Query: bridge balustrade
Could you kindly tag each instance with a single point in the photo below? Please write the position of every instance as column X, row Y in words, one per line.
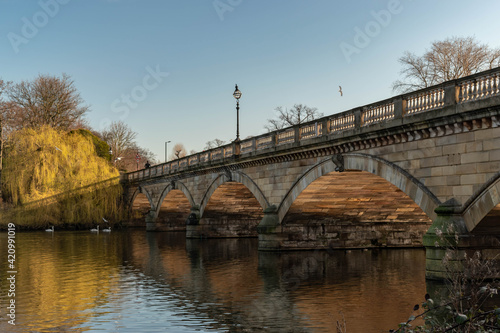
column 204, row 157
column 247, row 146
column 472, row 88
column 228, row 151
column 193, row 160
column 287, row 136
column 478, row 88
column 311, row 131
column 264, row 142
column 378, row 113
column 216, row 154
column 425, row 101
column 174, row 166
column 342, row 122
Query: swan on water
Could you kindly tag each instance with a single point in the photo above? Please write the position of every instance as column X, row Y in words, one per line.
column 95, row 229
column 107, row 229
column 50, row 230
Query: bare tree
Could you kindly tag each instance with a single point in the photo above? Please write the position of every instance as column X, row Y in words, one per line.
column 295, row 116
column 128, row 159
column 119, row 137
column 47, row 100
column 446, row 60
column 179, row 150
column 214, row 144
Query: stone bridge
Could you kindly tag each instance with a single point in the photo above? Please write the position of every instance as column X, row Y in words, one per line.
column 388, row 174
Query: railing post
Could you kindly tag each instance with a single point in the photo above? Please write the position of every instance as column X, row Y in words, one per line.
column 399, row 107
column 357, row 119
column 273, row 139
column 325, row 129
column 451, row 94
column 296, row 134
column 236, row 148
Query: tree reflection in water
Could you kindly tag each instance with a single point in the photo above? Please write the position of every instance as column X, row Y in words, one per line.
column 133, row 280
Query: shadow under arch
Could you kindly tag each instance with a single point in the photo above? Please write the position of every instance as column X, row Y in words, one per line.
column 178, row 186
column 481, row 203
column 389, row 171
column 236, row 177
column 143, row 191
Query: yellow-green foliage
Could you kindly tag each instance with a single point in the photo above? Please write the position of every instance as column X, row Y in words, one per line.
column 40, row 163
column 58, row 179
column 79, row 208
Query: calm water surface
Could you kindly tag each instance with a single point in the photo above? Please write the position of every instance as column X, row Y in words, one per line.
column 133, row 281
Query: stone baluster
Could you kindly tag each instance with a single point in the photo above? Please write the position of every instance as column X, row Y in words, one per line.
column 465, row 94
column 489, row 83
column 476, row 91
column 484, row 88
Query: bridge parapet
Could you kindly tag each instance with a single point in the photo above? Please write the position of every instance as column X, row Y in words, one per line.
column 388, row 113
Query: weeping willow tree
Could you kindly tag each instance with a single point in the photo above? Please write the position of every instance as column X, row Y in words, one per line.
column 52, row 177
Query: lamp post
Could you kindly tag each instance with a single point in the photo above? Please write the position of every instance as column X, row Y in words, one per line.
column 166, row 145
column 237, row 95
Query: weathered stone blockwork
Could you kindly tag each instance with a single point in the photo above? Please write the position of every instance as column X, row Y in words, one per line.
column 345, row 235
column 411, row 153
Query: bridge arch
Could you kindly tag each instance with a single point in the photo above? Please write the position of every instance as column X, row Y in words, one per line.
column 175, row 186
column 142, row 190
column 239, row 177
column 394, row 174
column 479, row 205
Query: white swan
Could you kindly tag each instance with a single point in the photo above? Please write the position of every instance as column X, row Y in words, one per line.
column 94, row 229
column 50, row 230
column 107, row 229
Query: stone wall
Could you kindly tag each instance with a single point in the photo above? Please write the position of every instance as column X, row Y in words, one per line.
column 346, row 235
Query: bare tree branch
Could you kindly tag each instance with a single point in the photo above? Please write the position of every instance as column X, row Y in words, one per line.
column 47, row 100
column 214, row 144
column 120, row 138
column 179, row 150
column 295, row 116
column 446, row 60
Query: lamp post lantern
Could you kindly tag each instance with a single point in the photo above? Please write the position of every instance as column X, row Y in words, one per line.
column 166, row 145
column 237, row 95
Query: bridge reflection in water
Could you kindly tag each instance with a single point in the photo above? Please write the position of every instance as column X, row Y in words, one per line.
column 136, row 281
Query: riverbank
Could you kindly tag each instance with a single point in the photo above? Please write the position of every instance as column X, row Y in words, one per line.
column 74, row 210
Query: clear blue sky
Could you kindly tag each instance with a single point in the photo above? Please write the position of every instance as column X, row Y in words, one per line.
column 279, row 52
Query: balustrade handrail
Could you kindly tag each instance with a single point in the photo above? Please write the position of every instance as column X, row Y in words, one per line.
column 470, row 88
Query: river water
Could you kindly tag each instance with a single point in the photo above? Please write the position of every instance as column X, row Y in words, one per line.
column 134, row 281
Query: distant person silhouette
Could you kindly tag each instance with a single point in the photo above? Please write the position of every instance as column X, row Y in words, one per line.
column 147, row 165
